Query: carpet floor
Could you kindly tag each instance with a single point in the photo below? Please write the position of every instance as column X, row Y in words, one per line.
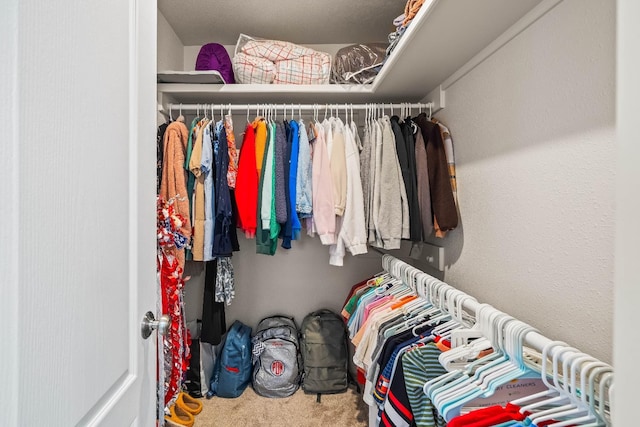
column 300, row 410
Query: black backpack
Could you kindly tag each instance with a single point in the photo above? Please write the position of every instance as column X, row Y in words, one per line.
column 324, row 353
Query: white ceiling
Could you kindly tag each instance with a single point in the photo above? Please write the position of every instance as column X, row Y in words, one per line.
column 197, row 22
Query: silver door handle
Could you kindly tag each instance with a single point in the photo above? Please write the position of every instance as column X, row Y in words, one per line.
column 149, row 323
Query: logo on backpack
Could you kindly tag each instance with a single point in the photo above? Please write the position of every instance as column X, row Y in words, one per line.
column 277, row 368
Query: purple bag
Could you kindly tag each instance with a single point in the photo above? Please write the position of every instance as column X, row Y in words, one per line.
column 213, row 56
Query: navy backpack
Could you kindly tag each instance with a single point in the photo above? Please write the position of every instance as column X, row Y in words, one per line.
column 233, row 368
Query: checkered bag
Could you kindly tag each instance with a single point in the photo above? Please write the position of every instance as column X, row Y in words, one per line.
column 279, row 62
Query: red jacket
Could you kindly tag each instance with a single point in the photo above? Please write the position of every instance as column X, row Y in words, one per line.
column 247, row 184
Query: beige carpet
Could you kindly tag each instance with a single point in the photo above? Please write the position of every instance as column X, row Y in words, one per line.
column 300, row 410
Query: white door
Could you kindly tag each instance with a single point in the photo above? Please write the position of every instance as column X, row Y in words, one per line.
column 77, row 204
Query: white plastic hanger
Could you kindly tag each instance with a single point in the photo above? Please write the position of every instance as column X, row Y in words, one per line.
column 575, row 407
column 465, row 384
column 180, row 117
column 514, row 332
column 490, row 320
column 594, row 368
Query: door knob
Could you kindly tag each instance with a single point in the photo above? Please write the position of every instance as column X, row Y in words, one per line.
column 149, row 323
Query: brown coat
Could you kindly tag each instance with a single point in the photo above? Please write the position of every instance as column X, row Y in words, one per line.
column 174, row 177
column 443, row 204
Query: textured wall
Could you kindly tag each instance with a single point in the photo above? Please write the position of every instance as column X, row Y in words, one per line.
column 533, row 128
column 170, row 57
column 294, row 282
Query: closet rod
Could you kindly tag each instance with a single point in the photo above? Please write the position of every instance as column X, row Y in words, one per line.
column 534, row 339
column 294, row 106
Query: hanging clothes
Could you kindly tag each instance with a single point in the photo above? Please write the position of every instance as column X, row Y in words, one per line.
column 304, row 204
column 415, row 224
column 191, row 179
column 337, row 163
column 221, row 238
column 375, row 168
column 247, row 183
column 171, row 282
column 195, row 163
column 173, row 186
column 448, row 148
column 209, row 192
column 423, row 187
column 443, row 204
column 323, row 205
column 352, row 235
column 293, row 179
column 160, row 153
column 280, row 154
column 232, row 169
column 393, row 211
column 264, row 243
column 213, row 315
column 365, row 176
column 225, row 282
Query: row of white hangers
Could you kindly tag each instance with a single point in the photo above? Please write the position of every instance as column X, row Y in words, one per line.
column 579, row 386
column 271, row 111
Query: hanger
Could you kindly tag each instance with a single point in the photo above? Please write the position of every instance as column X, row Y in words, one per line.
column 582, row 412
column 493, row 327
column 170, row 112
column 180, row 117
column 514, row 333
column 485, row 317
column 430, row 106
column 569, row 401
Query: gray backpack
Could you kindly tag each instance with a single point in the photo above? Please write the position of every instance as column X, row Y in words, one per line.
column 324, row 353
column 276, row 357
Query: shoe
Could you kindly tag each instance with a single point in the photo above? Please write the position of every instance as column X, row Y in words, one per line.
column 169, row 423
column 179, row 416
column 188, row 403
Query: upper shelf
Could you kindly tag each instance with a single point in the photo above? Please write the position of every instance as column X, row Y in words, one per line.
column 443, row 36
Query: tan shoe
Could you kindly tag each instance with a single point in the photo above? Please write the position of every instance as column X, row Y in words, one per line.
column 189, row 403
column 179, row 416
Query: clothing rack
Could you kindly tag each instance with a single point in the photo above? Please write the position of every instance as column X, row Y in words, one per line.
column 412, row 276
column 427, row 107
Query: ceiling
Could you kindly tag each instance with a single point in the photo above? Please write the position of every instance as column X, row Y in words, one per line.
column 197, row 22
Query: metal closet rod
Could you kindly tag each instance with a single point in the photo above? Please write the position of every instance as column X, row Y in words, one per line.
column 294, row 106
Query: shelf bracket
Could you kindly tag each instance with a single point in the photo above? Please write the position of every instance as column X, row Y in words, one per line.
column 437, row 96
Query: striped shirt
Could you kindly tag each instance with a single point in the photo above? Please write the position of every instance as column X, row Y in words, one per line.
column 419, row 366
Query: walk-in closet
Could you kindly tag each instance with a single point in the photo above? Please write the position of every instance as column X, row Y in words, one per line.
column 368, row 213
column 526, row 90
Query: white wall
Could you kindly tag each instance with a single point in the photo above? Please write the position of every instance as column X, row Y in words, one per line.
column 533, row 128
column 294, row 282
column 9, row 194
column 169, row 47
